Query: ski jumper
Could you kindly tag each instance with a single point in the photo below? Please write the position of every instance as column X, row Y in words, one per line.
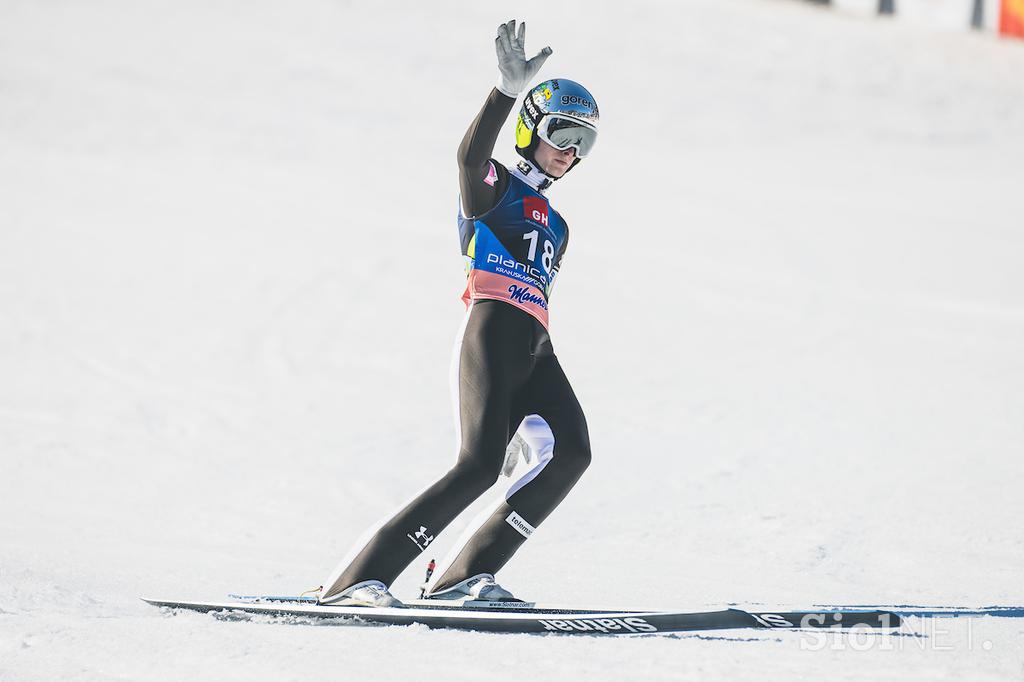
column 505, row 377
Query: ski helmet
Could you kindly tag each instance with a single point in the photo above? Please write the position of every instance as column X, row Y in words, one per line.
column 561, row 112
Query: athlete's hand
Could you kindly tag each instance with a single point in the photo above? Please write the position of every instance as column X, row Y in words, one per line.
column 517, row 447
column 516, row 71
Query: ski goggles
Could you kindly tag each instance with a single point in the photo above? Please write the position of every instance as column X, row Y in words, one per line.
column 562, row 132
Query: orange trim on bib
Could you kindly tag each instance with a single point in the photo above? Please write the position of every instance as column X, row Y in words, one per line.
column 495, row 287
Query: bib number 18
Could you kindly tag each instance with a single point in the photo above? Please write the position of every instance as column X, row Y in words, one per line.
column 547, row 260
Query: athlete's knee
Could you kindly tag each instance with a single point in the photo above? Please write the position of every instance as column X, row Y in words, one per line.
column 573, row 459
column 581, row 458
column 582, row 454
column 474, row 474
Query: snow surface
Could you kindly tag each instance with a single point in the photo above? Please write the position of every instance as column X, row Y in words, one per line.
column 793, row 311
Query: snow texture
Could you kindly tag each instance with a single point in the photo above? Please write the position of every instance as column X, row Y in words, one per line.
column 793, row 310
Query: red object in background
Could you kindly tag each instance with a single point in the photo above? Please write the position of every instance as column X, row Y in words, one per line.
column 1011, row 18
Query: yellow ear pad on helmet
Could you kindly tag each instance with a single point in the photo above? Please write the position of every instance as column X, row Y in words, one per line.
column 524, row 135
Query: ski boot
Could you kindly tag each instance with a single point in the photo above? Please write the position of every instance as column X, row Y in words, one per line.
column 480, row 587
column 367, row 593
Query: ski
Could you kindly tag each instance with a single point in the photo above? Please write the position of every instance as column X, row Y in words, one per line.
column 545, row 621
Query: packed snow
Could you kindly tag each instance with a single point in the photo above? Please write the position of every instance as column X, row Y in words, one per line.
column 793, row 311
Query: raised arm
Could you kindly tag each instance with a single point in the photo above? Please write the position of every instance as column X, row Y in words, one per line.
column 482, row 180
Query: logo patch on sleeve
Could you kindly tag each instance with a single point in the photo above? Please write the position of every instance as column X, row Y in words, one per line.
column 492, row 174
column 536, row 209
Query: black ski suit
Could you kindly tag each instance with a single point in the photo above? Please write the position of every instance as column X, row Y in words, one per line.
column 504, row 369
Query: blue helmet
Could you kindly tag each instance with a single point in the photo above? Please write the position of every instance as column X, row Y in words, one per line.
column 561, row 112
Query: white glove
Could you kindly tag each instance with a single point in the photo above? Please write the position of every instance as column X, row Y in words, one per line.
column 515, row 448
column 516, row 72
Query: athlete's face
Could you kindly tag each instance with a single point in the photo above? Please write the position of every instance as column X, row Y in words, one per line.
column 553, row 161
